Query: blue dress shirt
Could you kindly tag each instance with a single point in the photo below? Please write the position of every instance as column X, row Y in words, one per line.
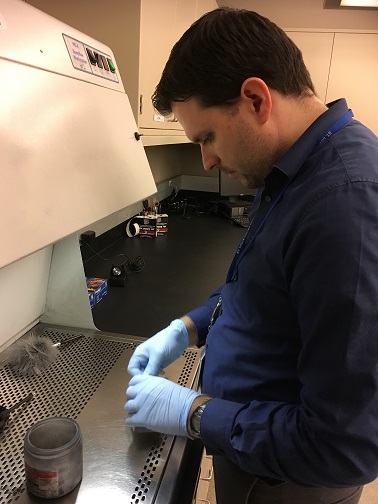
column 292, row 360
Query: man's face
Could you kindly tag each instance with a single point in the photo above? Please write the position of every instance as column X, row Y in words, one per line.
column 230, row 139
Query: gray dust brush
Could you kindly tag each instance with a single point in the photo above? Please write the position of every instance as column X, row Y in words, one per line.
column 31, row 355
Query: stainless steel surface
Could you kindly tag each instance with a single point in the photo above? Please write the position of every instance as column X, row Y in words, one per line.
column 88, row 383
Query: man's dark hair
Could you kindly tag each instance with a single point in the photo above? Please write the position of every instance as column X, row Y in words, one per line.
column 220, row 51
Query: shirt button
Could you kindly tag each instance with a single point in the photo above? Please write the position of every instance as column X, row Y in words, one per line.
column 267, row 198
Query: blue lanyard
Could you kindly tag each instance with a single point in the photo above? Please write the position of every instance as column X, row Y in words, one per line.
column 238, row 256
column 339, row 124
column 242, row 251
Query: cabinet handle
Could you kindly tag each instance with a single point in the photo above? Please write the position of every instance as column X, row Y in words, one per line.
column 140, row 104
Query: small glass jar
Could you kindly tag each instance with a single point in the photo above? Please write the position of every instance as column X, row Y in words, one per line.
column 53, row 453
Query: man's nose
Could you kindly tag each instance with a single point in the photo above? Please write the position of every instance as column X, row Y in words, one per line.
column 209, row 158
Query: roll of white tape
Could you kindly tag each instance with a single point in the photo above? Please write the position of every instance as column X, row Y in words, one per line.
column 132, row 229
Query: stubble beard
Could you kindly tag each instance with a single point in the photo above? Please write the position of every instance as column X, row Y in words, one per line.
column 251, row 174
column 256, row 158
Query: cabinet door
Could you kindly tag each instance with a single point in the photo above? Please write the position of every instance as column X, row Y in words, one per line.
column 162, row 24
column 204, row 6
column 186, row 13
column 156, row 38
column 316, row 48
column 354, row 75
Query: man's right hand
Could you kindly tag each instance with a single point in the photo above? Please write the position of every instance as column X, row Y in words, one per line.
column 153, row 355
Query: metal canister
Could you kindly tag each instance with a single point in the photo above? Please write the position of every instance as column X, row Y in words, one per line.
column 53, row 453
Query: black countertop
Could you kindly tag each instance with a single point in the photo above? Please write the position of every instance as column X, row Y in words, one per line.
column 180, row 270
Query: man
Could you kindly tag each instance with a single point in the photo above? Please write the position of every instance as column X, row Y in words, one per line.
column 289, row 403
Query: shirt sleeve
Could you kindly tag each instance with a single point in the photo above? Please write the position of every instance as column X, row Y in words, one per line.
column 201, row 316
column 330, row 438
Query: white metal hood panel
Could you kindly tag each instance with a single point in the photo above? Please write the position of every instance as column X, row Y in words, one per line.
column 34, row 38
column 69, row 156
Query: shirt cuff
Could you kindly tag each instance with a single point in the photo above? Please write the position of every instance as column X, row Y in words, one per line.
column 216, row 426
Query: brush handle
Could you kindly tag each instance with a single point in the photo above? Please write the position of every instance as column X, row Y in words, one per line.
column 5, row 412
column 68, row 340
column 26, row 399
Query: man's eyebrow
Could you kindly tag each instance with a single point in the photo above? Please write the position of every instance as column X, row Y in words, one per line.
column 200, row 136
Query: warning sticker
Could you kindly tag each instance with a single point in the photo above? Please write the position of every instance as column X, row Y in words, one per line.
column 90, row 60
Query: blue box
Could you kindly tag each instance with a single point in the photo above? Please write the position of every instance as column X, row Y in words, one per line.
column 97, row 289
column 91, row 298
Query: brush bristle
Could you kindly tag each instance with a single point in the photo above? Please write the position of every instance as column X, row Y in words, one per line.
column 31, row 355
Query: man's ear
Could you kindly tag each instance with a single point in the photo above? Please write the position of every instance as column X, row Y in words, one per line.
column 256, row 95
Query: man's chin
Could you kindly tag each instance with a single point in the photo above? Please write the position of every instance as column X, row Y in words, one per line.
column 251, row 184
column 233, row 175
column 246, row 182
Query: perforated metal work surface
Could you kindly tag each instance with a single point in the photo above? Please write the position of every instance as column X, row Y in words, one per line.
column 88, row 382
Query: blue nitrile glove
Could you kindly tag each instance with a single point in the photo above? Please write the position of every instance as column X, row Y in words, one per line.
column 153, row 355
column 158, row 404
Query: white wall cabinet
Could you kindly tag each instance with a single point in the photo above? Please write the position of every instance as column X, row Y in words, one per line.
column 316, row 48
column 354, row 75
column 162, row 24
column 157, row 37
column 343, row 65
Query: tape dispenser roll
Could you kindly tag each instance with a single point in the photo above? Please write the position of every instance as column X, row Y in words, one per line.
column 132, row 229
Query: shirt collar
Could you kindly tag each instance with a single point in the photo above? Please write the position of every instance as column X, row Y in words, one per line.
column 293, row 159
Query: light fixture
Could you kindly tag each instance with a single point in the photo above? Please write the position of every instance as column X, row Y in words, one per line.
column 350, row 4
column 359, row 3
